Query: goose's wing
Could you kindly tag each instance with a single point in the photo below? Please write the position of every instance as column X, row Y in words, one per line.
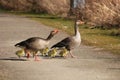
column 33, row 39
column 64, row 43
column 28, row 42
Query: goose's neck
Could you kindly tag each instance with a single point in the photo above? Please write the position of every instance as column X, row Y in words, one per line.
column 49, row 37
column 77, row 36
column 76, row 30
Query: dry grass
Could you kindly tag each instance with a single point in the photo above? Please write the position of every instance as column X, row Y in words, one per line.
column 102, row 12
column 59, row 7
column 55, row 6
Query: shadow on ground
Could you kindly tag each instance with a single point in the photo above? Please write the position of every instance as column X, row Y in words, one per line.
column 12, row 59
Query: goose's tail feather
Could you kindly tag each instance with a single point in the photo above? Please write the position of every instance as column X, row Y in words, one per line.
column 21, row 44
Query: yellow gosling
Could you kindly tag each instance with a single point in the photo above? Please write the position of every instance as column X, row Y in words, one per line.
column 44, row 51
column 63, row 52
column 20, row 53
column 52, row 53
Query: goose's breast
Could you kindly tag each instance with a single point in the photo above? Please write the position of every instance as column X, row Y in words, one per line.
column 77, row 41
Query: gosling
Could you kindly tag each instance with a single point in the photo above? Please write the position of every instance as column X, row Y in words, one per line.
column 63, row 52
column 45, row 51
column 20, row 53
column 52, row 53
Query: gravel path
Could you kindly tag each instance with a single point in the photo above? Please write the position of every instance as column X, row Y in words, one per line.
column 93, row 63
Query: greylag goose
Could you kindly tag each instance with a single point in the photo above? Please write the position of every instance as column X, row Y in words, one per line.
column 71, row 42
column 34, row 44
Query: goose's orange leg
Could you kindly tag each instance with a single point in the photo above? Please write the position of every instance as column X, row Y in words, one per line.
column 27, row 53
column 73, row 56
column 36, row 57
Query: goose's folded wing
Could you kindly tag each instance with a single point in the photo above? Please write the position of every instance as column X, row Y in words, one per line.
column 65, row 42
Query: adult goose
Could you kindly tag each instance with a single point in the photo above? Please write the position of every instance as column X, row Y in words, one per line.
column 34, row 44
column 71, row 42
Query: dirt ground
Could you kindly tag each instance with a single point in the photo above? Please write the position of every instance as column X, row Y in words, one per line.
column 93, row 63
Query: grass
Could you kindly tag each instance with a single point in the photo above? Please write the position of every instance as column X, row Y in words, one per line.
column 92, row 37
column 102, row 39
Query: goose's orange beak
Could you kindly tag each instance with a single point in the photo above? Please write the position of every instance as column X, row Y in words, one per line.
column 80, row 22
column 56, row 30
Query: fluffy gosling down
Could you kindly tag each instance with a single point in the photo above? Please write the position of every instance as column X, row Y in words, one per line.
column 52, row 53
column 63, row 52
column 45, row 51
column 20, row 53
